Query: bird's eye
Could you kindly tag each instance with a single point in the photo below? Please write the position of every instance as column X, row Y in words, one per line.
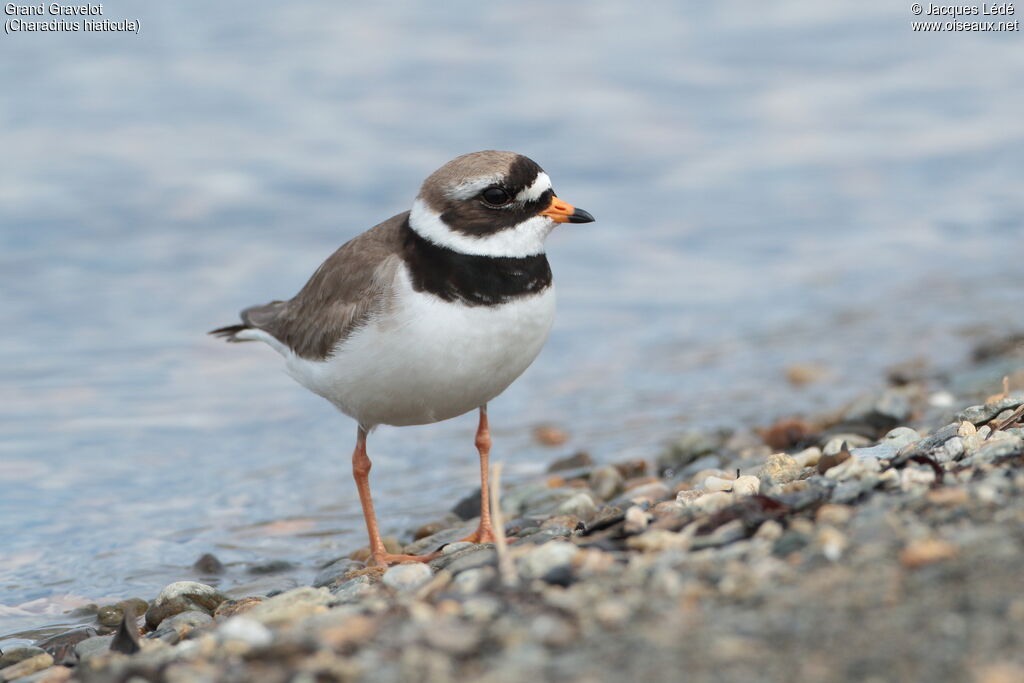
column 495, row 196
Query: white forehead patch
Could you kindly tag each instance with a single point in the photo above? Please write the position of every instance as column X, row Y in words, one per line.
column 472, row 186
column 541, row 185
column 524, row 239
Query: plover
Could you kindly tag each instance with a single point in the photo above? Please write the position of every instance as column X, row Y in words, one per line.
column 428, row 315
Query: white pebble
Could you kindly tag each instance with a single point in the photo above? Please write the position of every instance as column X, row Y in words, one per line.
column 746, row 486
column 407, row 577
column 967, row 429
column 636, row 520
column 245, row 630
column 808, row 457
column 717, row 484
column 712, row 502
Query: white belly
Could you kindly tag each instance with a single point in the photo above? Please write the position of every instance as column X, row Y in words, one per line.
column 429, row 360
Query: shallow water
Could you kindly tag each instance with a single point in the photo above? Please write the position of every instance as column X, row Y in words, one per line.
column 775, row 185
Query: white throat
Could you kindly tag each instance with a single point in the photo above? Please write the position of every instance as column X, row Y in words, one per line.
column 524, row 239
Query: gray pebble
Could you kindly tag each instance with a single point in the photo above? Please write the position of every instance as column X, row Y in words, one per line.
column 183, row 596
column 335, row 572
column 454, row 637
column 994, row 450
column 685, row 449
column 353, row 589
column 407, row 577
column 900, row 437
column 606, row 482
column 473, row 580
column 984, row 413
column 545, row 558
column 187, row 620
column 93, row 647
column 581, row 505
column 270, row 567
column 208, row 565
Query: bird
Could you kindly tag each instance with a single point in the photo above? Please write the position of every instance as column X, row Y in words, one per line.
column 428, row 315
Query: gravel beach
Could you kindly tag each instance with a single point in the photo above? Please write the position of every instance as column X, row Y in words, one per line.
column 883, row 541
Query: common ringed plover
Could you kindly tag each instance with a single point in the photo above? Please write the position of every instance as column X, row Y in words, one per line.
column 428, row 315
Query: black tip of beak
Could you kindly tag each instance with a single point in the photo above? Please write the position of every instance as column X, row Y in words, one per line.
column 581, row 216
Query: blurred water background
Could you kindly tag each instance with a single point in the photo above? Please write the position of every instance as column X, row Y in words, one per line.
column 774, row 183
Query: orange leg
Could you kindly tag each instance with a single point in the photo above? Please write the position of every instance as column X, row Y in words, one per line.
column 484, row 532
column 361, row 471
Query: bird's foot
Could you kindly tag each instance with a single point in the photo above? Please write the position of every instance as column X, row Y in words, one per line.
column 383, row 559
column 484, row 534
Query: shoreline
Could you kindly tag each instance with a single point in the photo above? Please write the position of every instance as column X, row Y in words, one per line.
column 879, row 540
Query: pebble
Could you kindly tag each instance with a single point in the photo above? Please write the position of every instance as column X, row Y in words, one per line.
column 636, row 520
column 545, row 558
column 746, row 486
column 453, row 548
column 183, row 596
column 900, row 437
column 882, row 412
column 837, row 515
column 407, row 577
column 713, row 502
column 927, row 551
column 17, row 654
column 335, row 572
column 187, row 621
column 606, row 482
column 62, row 645
column 652, row 493
column 833, row 542
column 93, row 647
column 789, row 542
column 713, row 483
column 723, row 535
column 292, row 605
column 573, row 462
column 952, row 449
column 230, row 608
column 656, row 540
column 581, row 505
column 685, row 449
column 984, row 413
column 270, row 567
column 26, row 666
column 835, row 444
column 552, row 631
column 473, row 580
column 453, row 636
column 354, row 589
column 808, row 457
column 779, row 468
column 770, row 530
column 967, row 429
column 208, row 565
column 469, row 558
column 248, row 631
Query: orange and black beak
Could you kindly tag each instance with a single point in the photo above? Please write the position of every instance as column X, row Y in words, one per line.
column 563, row 212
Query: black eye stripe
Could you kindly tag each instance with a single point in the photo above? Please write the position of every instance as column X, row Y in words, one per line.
column 478, row 218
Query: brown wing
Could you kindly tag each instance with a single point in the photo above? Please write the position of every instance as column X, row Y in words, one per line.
column 343, row 294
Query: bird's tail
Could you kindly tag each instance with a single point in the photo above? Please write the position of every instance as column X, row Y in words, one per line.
column 230, row 333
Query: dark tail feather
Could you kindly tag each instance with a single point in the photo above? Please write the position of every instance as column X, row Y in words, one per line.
column 229, row 332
